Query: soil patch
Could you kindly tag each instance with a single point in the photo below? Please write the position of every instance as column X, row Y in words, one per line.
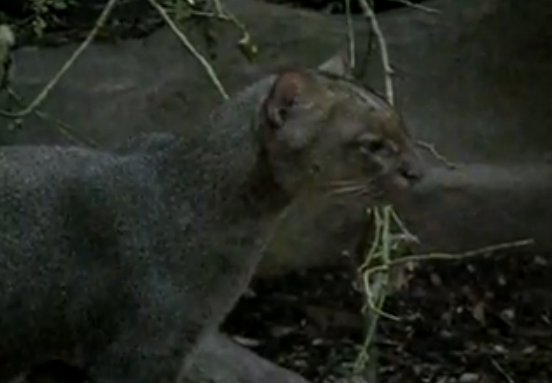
column 488, row 320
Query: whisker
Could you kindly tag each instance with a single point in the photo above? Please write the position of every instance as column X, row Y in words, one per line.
column 354, row 188
column 344, row 182
column 346, row 190
column 357, row 191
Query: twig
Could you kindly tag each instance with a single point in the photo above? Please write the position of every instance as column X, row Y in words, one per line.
column 371, row 16
column 446, row 256
column 419, row 7
column 502, row 371
column 223, row 14
column 383, row 220
column 375, row 290
column 367, row 272
column 186, row 42
column 219, row 7
column 363, row 358
column 350, row 36
column 64, row 128
column 384, row 268
column 431, row 149
column 371, row 302
column 381, row 247
column 210, row 15
column 245, row 41
column 66, row 66
column 388, row 70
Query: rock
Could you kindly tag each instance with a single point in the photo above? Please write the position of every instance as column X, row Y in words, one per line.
column 480, row 205
column 455, row 90
column 473, row 80
column 220, row 360
column 154, row 84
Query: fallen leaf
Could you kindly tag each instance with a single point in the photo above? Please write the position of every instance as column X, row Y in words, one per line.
column 478, row 312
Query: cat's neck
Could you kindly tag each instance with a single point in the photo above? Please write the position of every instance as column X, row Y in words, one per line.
column 221, row 167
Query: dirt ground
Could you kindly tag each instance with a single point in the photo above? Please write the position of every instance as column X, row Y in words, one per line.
column 488, row 320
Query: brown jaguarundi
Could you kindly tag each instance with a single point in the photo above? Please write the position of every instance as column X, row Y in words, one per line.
column 119, row 262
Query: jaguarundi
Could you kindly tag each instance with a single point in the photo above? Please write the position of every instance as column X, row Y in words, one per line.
column 120, row 262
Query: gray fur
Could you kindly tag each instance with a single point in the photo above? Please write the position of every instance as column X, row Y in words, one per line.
column 96, row 262
column 121, row 261
column 150, row 143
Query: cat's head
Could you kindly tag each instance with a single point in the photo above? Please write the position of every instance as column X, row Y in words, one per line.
column 322, row 131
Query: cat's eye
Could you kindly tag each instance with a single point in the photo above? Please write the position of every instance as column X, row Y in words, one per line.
column 371, row 146
column 315, row 168
column 375, row 146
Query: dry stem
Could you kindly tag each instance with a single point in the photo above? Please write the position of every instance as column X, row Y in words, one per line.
column 433, row 151
column 100, row 22
column 66, row 66
column 376, row 278
column 381, row 243
column 63, row 127
column 447, row 256
column 191, row 48
column 351, row 35
column 419, row 7
column 368, row 272
column 388, row 71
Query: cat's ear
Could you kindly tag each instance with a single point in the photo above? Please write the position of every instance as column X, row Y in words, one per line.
column 338, row 65
column 289, row 90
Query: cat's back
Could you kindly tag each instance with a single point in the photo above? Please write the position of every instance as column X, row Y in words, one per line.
column 37, row 172
column 69, row 218
column 47, row 191
column 38, row 164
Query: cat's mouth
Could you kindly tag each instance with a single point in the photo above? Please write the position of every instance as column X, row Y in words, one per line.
column 377, row 189
column 409, row 178
column 408, row 174
column 397, row 184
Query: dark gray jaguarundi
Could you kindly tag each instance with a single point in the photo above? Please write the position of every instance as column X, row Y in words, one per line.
column 120, row 263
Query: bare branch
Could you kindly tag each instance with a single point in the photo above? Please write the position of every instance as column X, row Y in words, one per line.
column 447, row 256
column 66, row 66
column 419, row 7
column 431, row 149
column 190, row 47
column 388, row 71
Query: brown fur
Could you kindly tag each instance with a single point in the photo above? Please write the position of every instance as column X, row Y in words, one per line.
column 324, row 132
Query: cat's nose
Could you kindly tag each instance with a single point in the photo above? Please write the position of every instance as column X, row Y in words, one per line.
column 413, row 172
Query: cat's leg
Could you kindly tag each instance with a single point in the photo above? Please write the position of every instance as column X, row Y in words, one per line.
column 154, row 335
column 133, row 357
column 56, row 371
